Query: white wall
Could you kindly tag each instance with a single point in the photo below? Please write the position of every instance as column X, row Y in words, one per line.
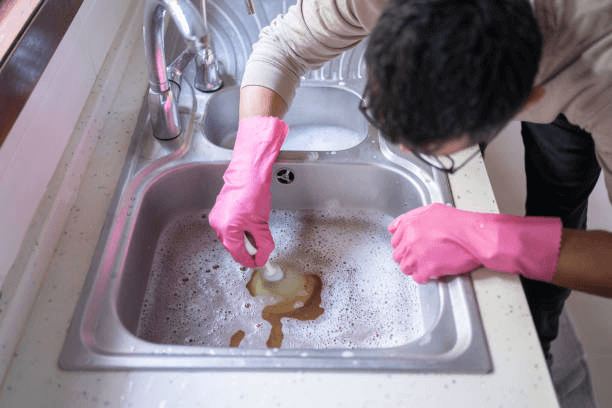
column 504, row 161
column 33, row 148
column 590, row 314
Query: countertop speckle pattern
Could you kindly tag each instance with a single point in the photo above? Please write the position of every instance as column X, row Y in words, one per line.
column 520, row 377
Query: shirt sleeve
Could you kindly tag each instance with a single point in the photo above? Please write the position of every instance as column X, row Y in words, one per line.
column 311, row 33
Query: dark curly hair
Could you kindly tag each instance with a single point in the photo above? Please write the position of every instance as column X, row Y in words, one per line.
column 441, row 69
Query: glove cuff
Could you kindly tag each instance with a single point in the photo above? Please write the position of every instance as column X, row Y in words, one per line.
column 258, row 142
column 260, row 136
column 528, row 246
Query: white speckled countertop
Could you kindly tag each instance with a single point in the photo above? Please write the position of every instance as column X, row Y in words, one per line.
column 519, row 378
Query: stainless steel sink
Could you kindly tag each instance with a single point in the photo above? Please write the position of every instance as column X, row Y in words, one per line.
column 163, row 293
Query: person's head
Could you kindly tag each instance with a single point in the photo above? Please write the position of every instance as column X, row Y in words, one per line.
column 448, row 71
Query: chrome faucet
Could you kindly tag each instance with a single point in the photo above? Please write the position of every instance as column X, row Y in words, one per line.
column 162, row 97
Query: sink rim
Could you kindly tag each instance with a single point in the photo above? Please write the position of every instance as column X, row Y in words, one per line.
column 86, row 349
column 233, row 91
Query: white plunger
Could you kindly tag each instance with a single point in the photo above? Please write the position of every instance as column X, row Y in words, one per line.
column 270, row 272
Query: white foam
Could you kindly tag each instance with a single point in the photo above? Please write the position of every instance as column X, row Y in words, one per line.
column 197, row 293
column 310, row 137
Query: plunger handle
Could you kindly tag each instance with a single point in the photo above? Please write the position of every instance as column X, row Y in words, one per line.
column 270, row 271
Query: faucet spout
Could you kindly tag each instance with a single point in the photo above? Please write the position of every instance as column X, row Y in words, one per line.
column 162, row 98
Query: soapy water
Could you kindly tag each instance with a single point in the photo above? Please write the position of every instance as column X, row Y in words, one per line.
column 310, row 137
column 197, row 293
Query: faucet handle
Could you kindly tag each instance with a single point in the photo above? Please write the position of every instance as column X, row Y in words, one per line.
column 207, row 77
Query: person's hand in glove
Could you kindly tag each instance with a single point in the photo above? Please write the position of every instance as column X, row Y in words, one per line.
column 244, row 203
column 437, row 240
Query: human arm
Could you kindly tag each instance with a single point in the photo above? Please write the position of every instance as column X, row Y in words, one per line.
column 585, row 262
column 243, row 205
column 261, row 101
column 437, row 240
column 244, row 202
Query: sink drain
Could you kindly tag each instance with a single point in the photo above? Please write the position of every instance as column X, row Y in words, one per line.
column 285, row 176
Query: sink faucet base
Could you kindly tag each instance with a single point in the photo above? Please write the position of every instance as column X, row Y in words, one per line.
column 162, row 98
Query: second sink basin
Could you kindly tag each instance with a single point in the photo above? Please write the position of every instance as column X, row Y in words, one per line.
column 320, row 118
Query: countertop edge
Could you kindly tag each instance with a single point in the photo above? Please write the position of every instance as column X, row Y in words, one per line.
column 23, row 281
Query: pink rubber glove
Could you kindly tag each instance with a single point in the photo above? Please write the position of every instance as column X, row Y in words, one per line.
column 244, row 203
column 438, row 240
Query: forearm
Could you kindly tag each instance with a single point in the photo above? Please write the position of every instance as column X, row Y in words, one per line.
column 585, row 262
column 261, row 101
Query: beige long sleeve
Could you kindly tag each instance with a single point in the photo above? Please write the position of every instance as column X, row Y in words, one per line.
column 311, row 33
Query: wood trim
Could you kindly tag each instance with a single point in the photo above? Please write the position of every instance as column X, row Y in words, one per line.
column 14, row 15
column 29, row 55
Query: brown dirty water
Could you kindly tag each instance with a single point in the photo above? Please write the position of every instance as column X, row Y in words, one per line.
column 237, row 338
column 304, row 304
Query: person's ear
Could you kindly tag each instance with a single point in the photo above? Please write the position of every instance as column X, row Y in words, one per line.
column 537, row 93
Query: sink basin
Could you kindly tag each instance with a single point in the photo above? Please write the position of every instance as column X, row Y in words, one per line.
column 181, row 287
column 162, row 293
column 316, row 113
